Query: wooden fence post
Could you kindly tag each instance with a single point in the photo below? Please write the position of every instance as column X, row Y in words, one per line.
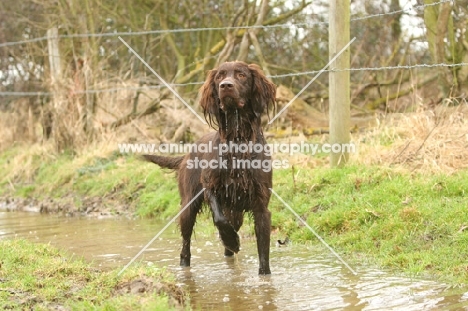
column 54, row 55
column 339, row 36
column 49, row 113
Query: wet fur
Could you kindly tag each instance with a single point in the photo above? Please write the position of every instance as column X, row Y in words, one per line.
column 233, row 99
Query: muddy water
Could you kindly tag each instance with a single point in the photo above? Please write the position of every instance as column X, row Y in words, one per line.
column 304, row 278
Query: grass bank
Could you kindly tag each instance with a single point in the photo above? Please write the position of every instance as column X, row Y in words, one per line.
column 40, row 277
column 93, row 182
column 413, row 222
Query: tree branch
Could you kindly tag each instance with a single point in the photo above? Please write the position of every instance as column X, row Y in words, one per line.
column 152, row 108
column 376, row 103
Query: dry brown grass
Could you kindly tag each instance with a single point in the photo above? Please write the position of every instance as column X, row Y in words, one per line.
column 430, row 140
column 17, row 125
column 25, row 122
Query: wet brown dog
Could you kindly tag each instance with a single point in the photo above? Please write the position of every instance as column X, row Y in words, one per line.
column 233, row 99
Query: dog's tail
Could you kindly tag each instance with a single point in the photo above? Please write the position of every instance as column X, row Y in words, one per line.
column 164, row 162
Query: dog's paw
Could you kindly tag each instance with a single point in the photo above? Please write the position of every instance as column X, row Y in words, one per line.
column 264, row 271
column 230, row 238
column 228, row 253
column 184, row 261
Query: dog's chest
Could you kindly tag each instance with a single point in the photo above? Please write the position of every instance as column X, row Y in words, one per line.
column 235, row 181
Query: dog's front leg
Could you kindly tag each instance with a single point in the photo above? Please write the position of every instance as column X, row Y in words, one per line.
column 262, row 221
column 228, row 234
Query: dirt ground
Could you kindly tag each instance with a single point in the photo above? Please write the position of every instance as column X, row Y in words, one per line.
column 94, row 206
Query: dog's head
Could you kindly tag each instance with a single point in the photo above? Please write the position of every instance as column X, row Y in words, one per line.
column 236, row 86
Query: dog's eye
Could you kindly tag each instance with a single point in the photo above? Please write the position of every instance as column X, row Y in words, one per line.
column 241, row 75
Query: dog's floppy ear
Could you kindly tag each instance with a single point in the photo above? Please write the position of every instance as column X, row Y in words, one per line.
column 264, row 91
column 209, row 99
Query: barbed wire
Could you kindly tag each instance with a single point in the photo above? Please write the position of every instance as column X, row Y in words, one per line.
column 287, row 75
column 413, row 8
column 97, row 91
column 182, row 30
column 416, row 66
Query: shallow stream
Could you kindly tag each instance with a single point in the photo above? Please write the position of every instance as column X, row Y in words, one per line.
column 304, row 278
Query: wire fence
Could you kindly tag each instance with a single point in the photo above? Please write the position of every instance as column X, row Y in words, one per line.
column 184, row 30
column 299, row 74
column 354, row 18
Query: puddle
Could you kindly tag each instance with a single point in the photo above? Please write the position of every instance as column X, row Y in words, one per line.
column 304, row 278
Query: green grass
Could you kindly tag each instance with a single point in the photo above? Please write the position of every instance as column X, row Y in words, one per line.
column 410, row 222
column 139, row 186
column 393, row 218
column 40, row 277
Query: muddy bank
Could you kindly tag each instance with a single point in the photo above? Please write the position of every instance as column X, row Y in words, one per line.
column 64, row 282
column 148, row 285
column 87, row 206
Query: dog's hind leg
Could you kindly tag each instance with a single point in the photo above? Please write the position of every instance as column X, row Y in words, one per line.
column 187, row 222
column 228, row 234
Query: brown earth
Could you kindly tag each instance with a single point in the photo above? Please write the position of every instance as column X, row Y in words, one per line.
column 93, row 206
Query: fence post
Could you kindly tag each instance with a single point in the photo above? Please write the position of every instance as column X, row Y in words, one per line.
column 54, row 55
column 49, row 113
column 339, row 36
column 90, row 100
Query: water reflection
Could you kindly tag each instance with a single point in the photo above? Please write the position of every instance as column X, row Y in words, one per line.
column 304, row 278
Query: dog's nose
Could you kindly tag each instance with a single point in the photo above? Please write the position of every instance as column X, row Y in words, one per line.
column 226, row 84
